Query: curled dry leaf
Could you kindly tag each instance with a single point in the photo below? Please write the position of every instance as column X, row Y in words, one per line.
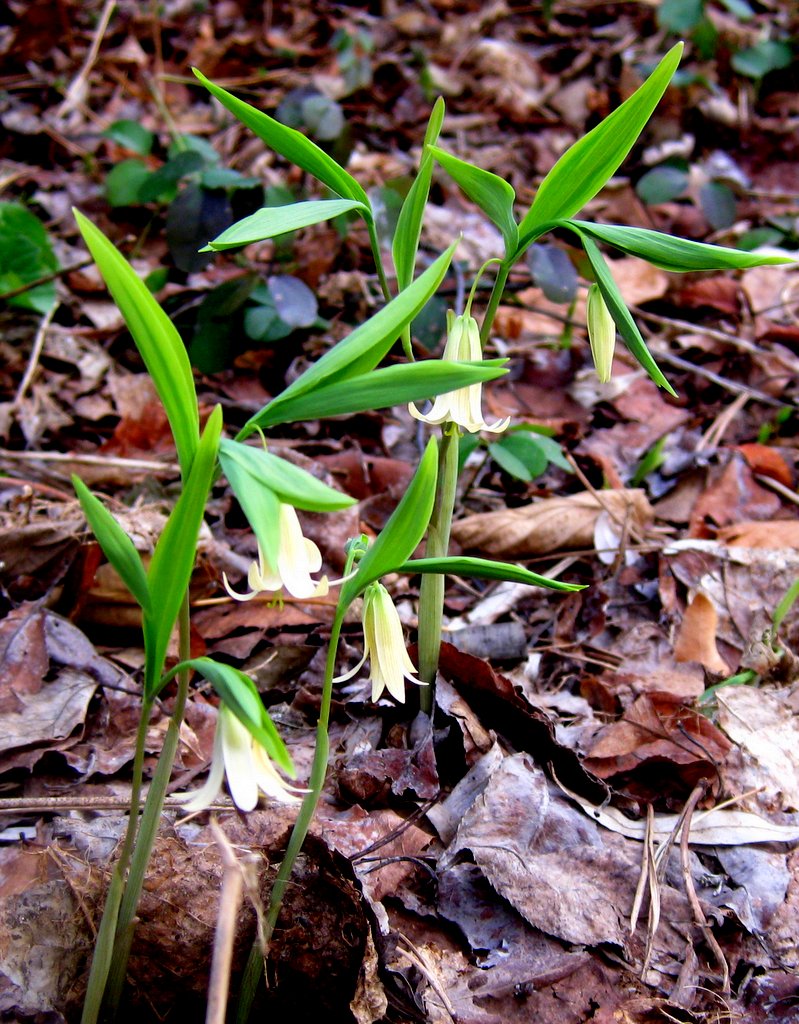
column 554, row 524
column 696, row 639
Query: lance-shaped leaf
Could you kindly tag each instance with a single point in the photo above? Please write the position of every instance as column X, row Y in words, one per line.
column 409, row 222
column 492, row 194
column 674, row 254
column 229, row 683
column 260, row 505
column 261, row 480
column 291, row 144
column 621, row 315
column 587, row 165
column 484, row 568
column 404, row 530
column 291, row 484
column 156, row 338
column 378, row 389
column 276, row 220
column 116, row 544
column 173, row 559
column 362, row 350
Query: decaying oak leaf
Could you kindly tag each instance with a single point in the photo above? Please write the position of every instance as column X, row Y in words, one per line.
column 771, row 533
column 554, row 524
column 696, row 640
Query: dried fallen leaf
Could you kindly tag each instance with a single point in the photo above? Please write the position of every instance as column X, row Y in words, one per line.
column 696, row 639
column 718, row 826
column 773, row 533
column 553, row 524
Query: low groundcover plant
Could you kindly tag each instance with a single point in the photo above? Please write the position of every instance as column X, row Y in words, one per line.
column 348, row 378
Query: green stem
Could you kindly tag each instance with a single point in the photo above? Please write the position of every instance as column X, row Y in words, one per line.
column 431, row 594
column 254, row 969
column 148, row 830
column 493, row 303
column 104, row 943
column 374, row 241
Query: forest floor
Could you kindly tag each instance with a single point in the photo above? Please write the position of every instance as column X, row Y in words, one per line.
column 524, row 860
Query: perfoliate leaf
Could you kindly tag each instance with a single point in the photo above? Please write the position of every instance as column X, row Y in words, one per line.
column 239, row 693
column 484, row 568
column 358, row 353
column 290, row 483
column 674, row 254
column 402, row 533
column 157, row 340
column 621, row 315
column 493, row 194
column 276, row 220
column 116, row 544
column 173, row 559
column 291, row 144
column 378, row 389
column 587, row 165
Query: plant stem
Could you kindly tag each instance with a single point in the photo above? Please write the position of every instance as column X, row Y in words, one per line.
column 254, row 969
column 378, row 258
column 493, row 303
column 148, row 829
column 431, row 594
column 104, row 943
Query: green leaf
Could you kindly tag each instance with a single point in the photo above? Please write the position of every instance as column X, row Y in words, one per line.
column 680, row 15
column 293, row 485
column 173, row 559
column 717, row 201
column 674, row 254
column 239, row 693
column 409, row 223
column 276, row 220
column 124, row 182
column 758, row 60
column 379, row 389
column 587, row 165
column 404, row 530
column 26, row 254
column 483, row 568
column 161, row 185
column 360, row 352
column 662, row 184
column 159, row 344
column 117, row 546
column 291, row 144
column 493, row 194
column 621, row 315
column 131, row 135
column 785, row 605
column 260, row 504
column 521, row 454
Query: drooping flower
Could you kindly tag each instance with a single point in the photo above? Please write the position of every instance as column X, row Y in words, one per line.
column 297, row 558
column 384, row 646
column 601, row 333
column 463, row 406
column 247, row 765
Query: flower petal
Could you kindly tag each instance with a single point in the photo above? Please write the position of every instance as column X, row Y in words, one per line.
column 237, row 751
column 203, row 797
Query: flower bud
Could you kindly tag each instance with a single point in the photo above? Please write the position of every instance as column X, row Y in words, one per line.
column 601, row 333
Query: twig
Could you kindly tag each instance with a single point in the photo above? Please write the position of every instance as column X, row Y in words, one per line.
column 718, row 428
column 775, row 485
column 36, row 351
column 144, row 465
column 225, row 934
column 75, row 93
column 46, row 279
column 699, row 916
column 624, row 522
column 419, row 961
